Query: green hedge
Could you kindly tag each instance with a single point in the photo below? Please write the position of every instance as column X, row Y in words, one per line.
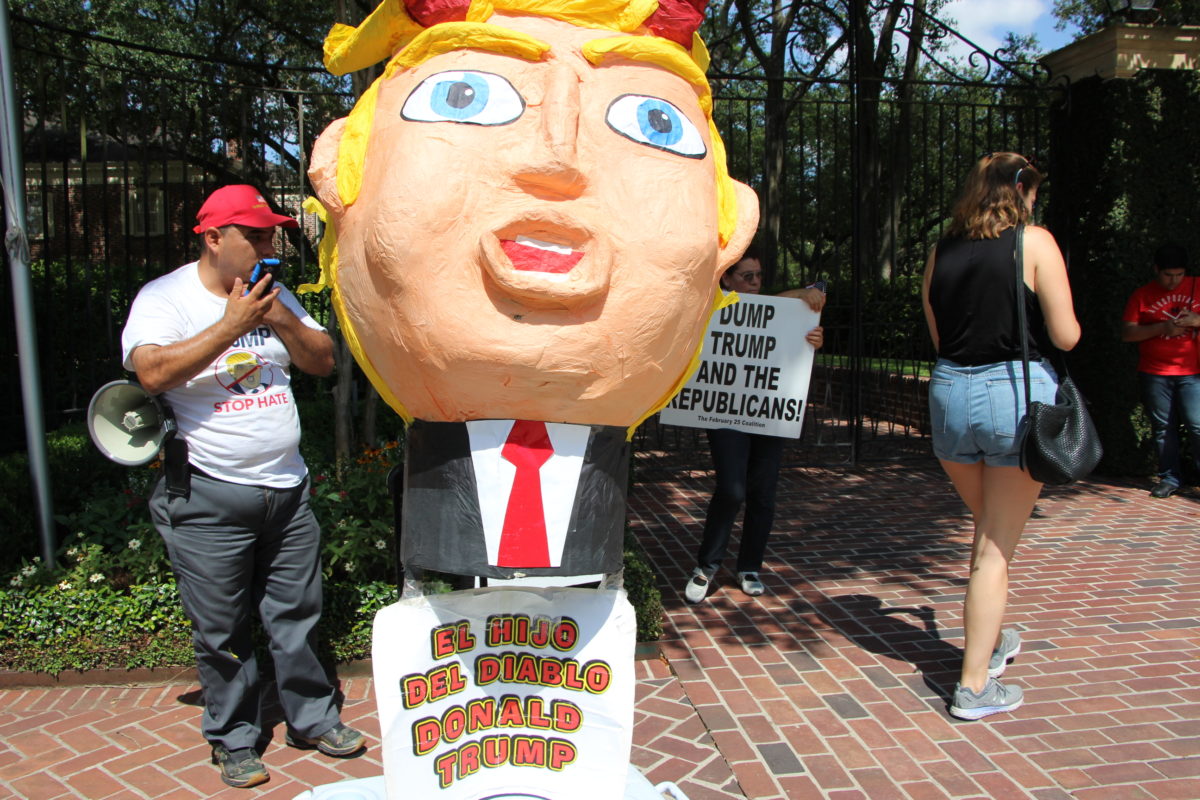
column 81, row 626
column 110, row 601
column 65, row 627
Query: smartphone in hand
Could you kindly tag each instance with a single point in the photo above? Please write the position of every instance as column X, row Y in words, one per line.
column 267, row 266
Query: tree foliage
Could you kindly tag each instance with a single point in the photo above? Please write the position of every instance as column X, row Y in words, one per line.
column 1092, row 15
column 216, row 84
column 842, row 85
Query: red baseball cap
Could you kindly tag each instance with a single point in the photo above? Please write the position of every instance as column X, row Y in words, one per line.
column 239, row 204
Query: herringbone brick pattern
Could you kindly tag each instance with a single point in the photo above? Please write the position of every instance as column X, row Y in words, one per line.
column 834, row 684
column 144, row 742
column 829, row 686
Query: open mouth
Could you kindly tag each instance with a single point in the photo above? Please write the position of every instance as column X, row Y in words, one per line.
column 547, row 260
column 534, row 255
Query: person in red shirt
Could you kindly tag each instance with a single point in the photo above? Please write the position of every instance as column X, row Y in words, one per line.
column 1162, row 318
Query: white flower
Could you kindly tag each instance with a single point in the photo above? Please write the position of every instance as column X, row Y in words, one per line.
column 28, row 570
column 380, row 544
column 134, row 544
column 95, row 577
column 348, row 566
column 73, row 551
column 65, row 585
column 15, row 580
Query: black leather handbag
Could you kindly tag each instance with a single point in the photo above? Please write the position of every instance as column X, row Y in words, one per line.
column 1059, row 444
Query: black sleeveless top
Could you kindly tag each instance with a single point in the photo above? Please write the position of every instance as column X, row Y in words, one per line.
column 972, row 294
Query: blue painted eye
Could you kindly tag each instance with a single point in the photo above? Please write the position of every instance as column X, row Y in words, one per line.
column 474, row 98
column 655, row 123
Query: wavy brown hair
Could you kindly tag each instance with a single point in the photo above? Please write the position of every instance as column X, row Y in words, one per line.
column 993, row 197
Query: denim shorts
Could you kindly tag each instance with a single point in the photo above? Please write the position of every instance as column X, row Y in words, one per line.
column 977, row 412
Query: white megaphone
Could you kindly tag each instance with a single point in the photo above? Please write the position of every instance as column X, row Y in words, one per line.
column 128, row 424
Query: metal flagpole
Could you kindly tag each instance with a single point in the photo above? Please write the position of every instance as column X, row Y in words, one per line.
column 17, row 246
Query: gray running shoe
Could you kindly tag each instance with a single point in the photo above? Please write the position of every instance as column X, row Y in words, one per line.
column 995, row 698
column 751, row 585
column 697, row 586
column 339, row 741
column 1008, row 646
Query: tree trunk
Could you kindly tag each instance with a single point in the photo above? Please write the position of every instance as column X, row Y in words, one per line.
column 370, row 417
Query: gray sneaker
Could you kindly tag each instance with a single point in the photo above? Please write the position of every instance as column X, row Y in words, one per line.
column 1008, row 646
column 750, row 583
column 995, row 698
column 697, row 586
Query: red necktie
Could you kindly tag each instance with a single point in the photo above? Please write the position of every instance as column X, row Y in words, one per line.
column 523, row 538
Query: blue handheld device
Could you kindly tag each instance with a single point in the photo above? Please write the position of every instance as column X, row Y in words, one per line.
column 267, row 266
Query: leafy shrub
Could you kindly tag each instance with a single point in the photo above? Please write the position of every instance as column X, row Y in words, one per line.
column 354, row 508
column 81, row 625
column 643, row 592
column 70, row 454
column 111, row 601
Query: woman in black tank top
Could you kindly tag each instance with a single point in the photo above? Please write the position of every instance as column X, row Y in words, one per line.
column 976, row 394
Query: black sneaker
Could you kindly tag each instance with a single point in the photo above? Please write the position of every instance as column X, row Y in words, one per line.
column 339, row 741
column 240, row 768
column 1163, row 489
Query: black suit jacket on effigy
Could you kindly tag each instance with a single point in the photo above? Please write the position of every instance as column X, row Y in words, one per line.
column 451, row 488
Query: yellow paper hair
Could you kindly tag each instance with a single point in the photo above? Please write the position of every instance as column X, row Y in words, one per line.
column 326, row 250
column 670, row 55
column 383, row 32
column 444, row 38
column 390, row 30
column 327, row 257
column 451, row 36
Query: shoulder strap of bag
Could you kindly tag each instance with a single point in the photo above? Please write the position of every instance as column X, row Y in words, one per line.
column 1022, row 325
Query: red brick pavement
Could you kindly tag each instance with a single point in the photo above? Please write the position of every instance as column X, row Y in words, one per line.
column 829, row 686
column 833, row 684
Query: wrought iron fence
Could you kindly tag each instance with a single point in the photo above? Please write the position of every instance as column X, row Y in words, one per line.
column 868, row 396
column 113, row 188
column 114, row 175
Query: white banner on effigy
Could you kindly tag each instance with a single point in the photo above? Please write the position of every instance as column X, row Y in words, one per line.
column 755, row 367
column 504, row 692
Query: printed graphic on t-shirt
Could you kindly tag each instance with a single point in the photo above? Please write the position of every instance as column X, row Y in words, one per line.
column 244, row 372
column 1171, row 306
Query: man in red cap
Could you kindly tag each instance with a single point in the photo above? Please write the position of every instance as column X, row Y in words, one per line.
column 237, row 524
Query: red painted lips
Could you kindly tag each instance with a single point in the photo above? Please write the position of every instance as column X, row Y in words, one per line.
column 532, row 255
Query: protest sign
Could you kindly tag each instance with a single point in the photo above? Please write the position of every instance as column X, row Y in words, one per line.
column 755, row 367
column 494, row 693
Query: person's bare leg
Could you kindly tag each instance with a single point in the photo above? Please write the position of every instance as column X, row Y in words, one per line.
column 968, row 482
column 1001, row 500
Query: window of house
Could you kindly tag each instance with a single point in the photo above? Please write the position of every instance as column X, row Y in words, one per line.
column 146, row 217
column 38, row 224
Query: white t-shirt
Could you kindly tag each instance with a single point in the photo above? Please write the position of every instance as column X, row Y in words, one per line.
column 238, row 414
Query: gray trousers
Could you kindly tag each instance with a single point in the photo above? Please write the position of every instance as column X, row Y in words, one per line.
column 236, row 549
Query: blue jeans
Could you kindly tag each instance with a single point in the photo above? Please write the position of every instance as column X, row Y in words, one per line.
column 1168, row 400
